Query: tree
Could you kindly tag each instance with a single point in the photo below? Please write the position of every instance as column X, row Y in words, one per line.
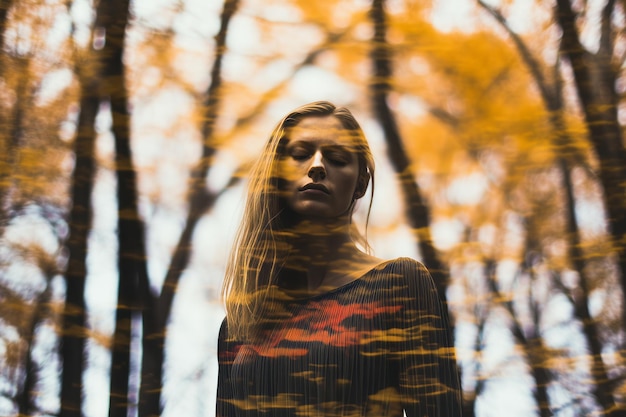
column 74, row 319
column 157, row 309
column 417, row 211
column 5, row 164
column 112, row 18
column 484, row 138
column 596, row 75
column 28, row 313
column 43, row 313
column 552, row 96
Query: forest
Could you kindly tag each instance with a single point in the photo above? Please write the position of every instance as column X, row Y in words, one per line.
column 127, row 129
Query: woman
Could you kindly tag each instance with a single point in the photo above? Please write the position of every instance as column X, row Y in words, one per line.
column 315, row 326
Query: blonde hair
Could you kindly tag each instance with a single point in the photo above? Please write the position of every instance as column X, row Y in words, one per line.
column 261, row 246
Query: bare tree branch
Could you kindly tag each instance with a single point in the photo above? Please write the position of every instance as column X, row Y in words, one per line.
column 533, row 65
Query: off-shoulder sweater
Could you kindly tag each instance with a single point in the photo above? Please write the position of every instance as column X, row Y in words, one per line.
column 377, row 346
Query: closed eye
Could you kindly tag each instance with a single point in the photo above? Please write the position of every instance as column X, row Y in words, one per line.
column 300, row 155
column 338, row 158
column 337, row 161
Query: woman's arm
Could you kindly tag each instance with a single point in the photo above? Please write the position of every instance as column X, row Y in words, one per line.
column 428, row 375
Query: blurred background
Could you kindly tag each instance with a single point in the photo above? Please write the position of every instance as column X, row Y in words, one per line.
column 127, row 129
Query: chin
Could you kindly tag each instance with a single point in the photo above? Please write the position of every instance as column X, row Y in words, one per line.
column 314, row 211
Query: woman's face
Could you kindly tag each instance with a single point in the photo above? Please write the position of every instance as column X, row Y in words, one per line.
column 320, row 169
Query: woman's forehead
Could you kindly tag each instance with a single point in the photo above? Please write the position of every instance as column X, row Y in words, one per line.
column 323, row 129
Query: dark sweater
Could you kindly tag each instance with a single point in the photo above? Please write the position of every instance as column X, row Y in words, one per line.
column 373, row 347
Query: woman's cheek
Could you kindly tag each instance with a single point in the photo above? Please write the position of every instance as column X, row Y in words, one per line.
column 289, row 171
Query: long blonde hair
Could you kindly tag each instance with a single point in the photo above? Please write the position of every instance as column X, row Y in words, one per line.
column 261, row 248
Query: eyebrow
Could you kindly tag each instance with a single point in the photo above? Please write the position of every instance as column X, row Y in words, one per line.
column 334, row 146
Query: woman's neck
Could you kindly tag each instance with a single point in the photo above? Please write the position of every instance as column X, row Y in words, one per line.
column 323, row 256
column 321, row 240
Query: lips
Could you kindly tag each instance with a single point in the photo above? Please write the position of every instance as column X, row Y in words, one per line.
column 314, row 186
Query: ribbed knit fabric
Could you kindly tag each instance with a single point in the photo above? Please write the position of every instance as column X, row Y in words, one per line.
column 376, row 346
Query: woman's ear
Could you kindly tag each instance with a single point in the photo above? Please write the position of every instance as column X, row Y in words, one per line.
column 361, row 185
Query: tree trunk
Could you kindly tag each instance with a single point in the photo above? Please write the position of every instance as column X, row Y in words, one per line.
column 12, row 128
column 5, row 6
column 417, row 211
column 551, row 96
column 602, row 388
column 73, row 339
column 532, row 346
column 7, row 141
column 595, row 85
column 156, row 315
column 26, row 400
column 199, row 198
column 113, row 18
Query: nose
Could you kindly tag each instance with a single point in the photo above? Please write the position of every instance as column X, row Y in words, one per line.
column 317, row 171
